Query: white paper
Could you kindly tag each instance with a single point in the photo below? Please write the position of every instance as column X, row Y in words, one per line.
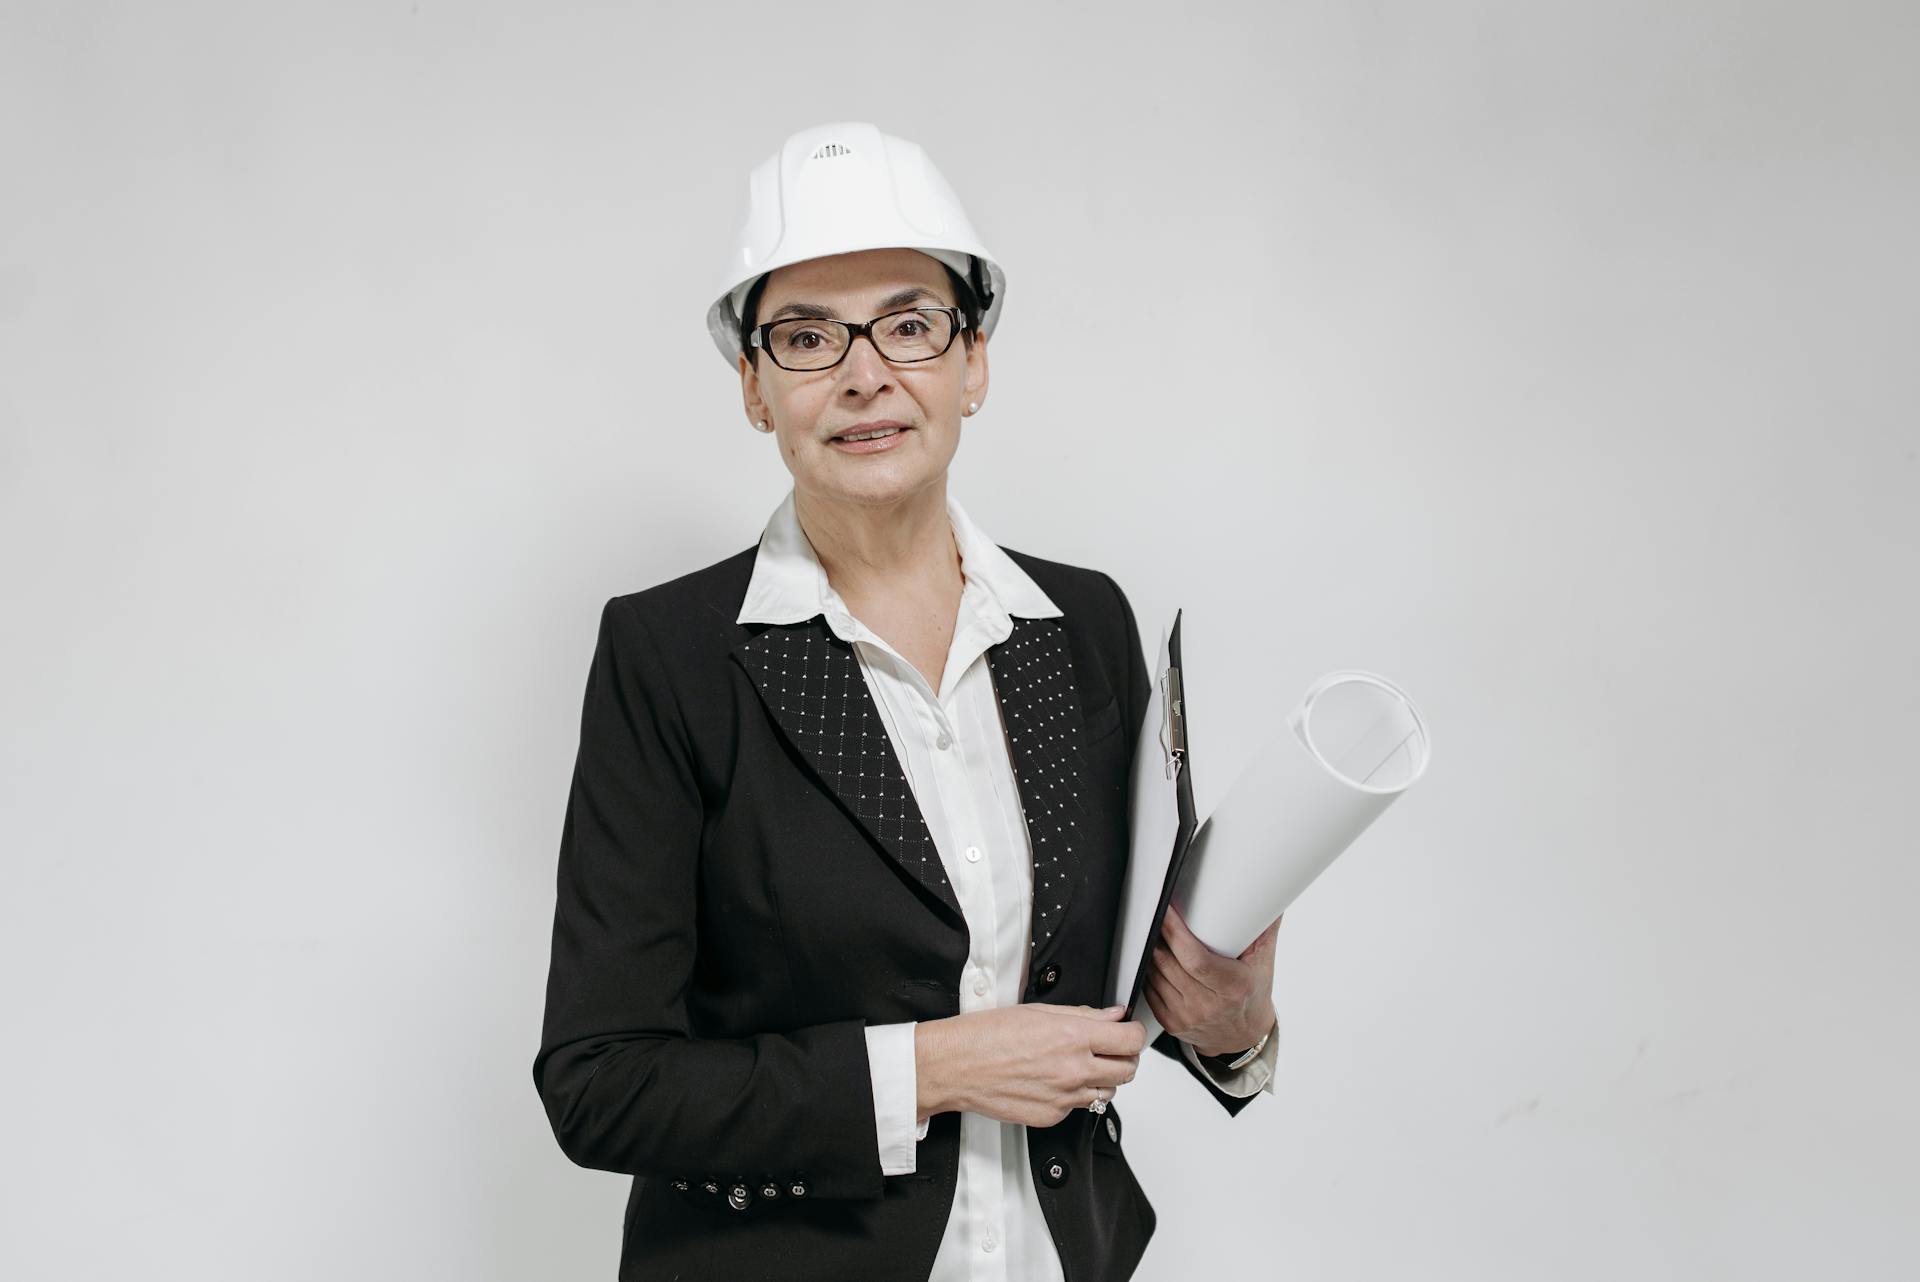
column 1354, row 744
column 1154, row 810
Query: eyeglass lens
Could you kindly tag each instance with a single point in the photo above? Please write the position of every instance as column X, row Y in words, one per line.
column 809, row 343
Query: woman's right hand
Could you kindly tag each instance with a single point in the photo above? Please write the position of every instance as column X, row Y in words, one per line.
column 1032, row 1063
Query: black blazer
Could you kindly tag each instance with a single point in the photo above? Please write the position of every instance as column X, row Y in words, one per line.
column 745, row 883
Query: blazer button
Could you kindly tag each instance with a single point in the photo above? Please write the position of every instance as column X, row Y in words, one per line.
column 710, row 1186
column 798, row 1188
column 1053, row 1172
column 769, row 1190
column 1049, row 976
column 682, row 1185
column 738, row 1196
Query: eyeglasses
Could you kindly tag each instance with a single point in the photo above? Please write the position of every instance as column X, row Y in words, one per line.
column 808, row 343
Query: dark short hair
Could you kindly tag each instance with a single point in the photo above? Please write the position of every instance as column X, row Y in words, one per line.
column 963, row 297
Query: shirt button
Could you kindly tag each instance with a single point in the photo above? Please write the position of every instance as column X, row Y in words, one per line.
column 943, row 743
column 980, row 986
column 973, row 854
column 988, row 1242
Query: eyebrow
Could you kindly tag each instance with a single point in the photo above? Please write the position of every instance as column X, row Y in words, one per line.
column 912, row 294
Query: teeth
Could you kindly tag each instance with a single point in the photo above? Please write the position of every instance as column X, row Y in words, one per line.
column 868, row 436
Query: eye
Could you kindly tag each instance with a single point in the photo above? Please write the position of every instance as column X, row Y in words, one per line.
column 908, row 325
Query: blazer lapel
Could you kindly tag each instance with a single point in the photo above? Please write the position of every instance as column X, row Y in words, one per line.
column 811, row 683
column 1033, row 678
column 810, row 680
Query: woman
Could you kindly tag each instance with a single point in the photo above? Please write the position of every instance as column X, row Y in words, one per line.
column 841, row 862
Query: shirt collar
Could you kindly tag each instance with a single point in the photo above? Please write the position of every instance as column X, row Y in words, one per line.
column 789, row 585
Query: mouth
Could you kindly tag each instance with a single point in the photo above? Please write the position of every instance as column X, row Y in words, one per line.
column 870, row 438
column 878, row 427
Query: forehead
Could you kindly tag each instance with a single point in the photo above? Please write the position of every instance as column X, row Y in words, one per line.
column 848, row 283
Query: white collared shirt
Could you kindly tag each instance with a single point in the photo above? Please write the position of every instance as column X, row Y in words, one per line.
column 953, row 748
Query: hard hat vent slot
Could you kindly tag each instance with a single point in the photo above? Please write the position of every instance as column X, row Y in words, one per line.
column 827, row 149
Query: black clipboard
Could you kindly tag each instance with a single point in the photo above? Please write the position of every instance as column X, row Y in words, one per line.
column 1173, row 746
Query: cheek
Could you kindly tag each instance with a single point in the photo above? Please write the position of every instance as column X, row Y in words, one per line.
column 796, row 409
column 939, row 395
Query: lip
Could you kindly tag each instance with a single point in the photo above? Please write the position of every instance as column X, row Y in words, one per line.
column 870, row 447
column 874, row 426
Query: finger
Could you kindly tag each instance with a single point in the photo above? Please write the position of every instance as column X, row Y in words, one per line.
column 1119, row 1039
column 1199, row 960
column 1113, row 1071
column 1174, row 993
column 1172, row 1008
column 1127, row 1038
column 1216, row 974
column 1093, row 1012
column 1168, row 968
column 1155, row 1004
column 1173, row 923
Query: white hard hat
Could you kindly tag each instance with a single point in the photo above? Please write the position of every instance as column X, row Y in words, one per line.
column 837, row 188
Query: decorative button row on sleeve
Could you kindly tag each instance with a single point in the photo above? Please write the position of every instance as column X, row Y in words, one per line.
column 740, row 1193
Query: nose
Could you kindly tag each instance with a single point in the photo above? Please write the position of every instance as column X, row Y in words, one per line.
column 863, row 371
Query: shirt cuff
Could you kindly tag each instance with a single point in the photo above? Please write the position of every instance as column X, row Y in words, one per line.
column 896, row 1096
column 1255, row 1076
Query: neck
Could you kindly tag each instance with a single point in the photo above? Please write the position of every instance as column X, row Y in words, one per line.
column 876, row 551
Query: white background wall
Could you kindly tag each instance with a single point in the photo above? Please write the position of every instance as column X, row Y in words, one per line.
column 1553, row 359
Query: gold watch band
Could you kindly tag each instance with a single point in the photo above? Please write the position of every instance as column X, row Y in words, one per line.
column 1247, row 1056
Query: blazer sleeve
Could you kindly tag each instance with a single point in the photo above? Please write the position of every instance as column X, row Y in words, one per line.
column 625, row 1085
column 1139, row 688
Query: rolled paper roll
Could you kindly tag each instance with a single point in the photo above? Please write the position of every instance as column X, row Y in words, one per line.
column 1354, row 744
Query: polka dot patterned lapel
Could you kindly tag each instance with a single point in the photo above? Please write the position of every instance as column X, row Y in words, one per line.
column 811, row 681
column 1033, row 678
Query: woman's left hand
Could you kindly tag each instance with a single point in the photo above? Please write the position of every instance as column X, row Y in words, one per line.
column 1217, row 1003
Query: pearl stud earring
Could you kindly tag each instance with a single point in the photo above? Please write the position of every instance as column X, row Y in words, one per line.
column 973, row 407
column 762, row 425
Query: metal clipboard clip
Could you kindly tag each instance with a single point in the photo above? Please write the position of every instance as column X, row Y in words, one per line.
column 1173, row 722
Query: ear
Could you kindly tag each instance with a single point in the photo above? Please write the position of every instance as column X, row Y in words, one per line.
column 975, row 387
column 756, row 405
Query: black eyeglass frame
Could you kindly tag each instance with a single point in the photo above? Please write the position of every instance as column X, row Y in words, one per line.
column 760, row 335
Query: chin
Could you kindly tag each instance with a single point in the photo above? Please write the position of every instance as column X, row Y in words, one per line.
column 878, row 485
